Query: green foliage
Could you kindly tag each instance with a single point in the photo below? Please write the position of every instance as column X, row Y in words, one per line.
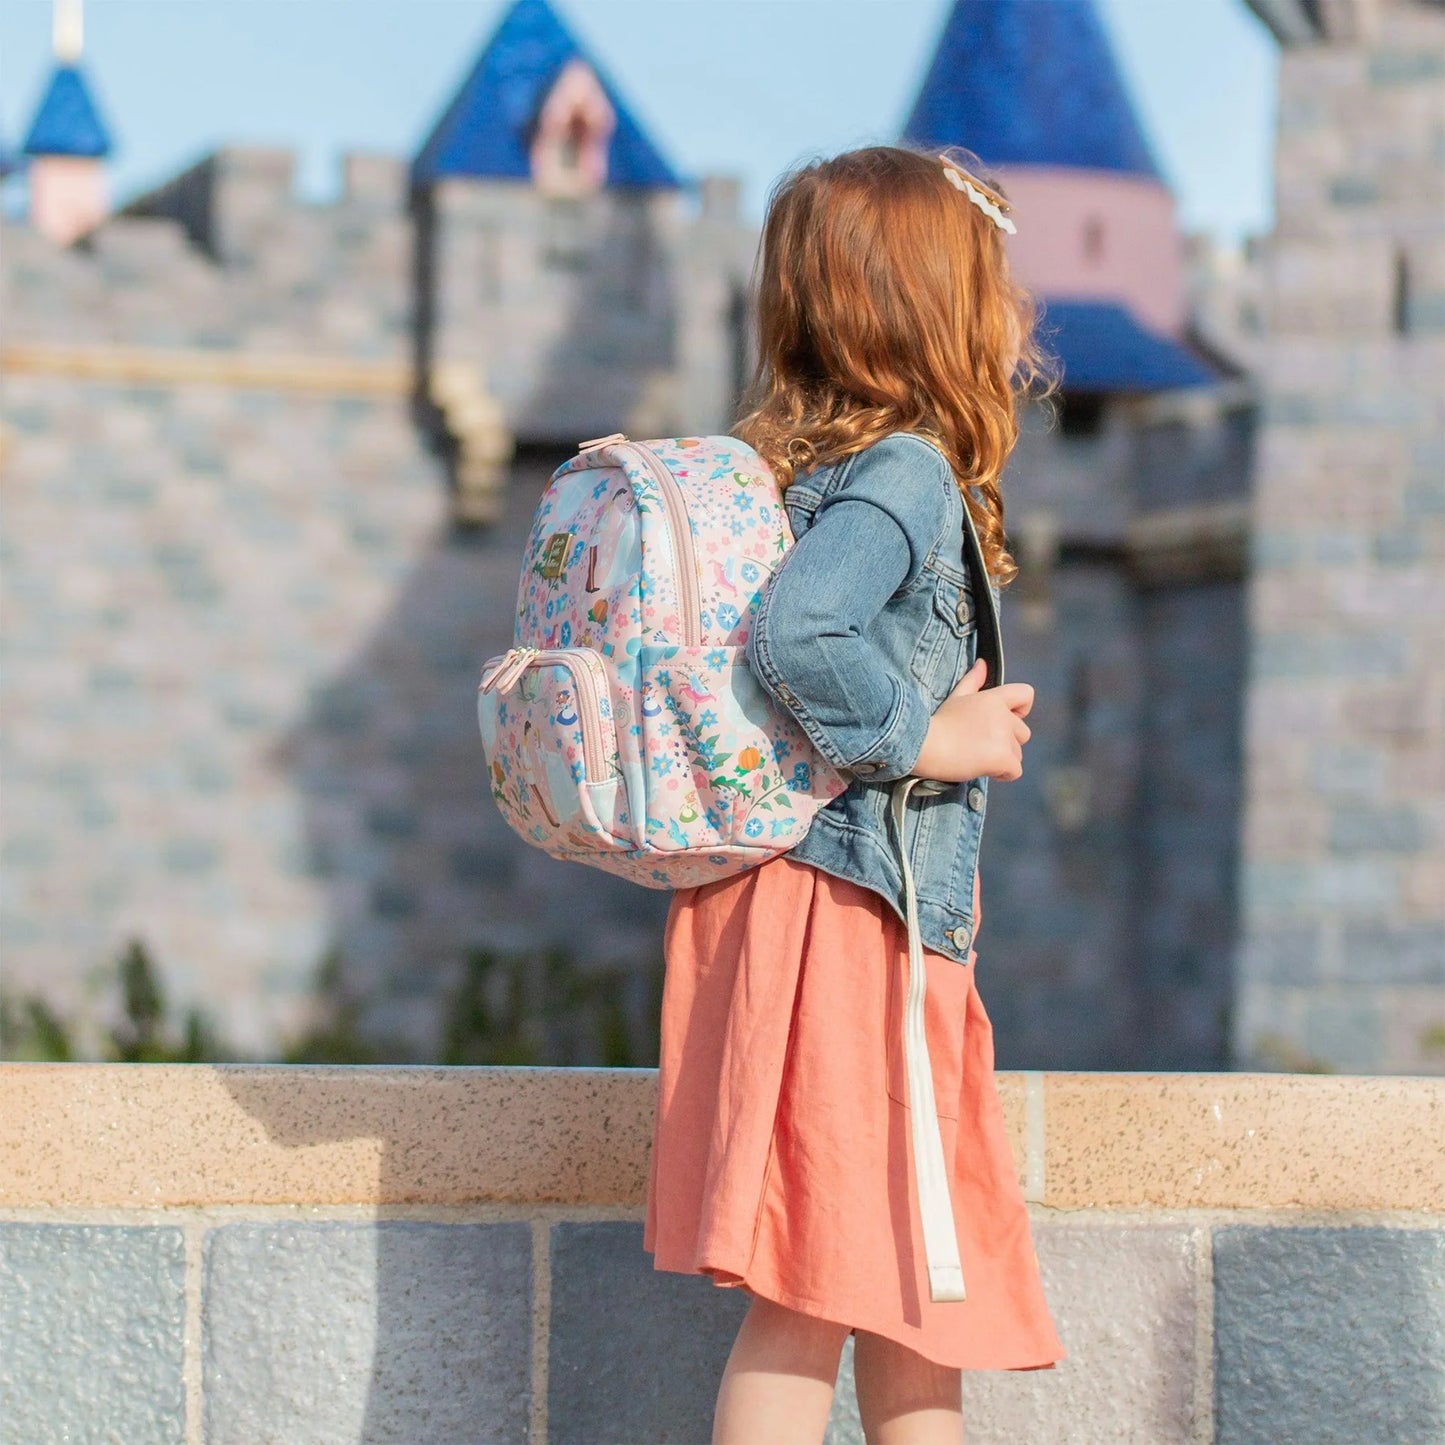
column 338, row 1034
column 531, row 1008
column 31, row 1030
column 1274, row 1053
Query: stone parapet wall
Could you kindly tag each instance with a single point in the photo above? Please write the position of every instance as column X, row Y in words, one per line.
column 191, row 1253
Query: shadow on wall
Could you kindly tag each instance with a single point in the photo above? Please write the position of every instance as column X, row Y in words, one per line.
column 423, row 1328
column 420, row 867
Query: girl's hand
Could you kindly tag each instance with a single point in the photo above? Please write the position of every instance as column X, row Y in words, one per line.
column 977, row 734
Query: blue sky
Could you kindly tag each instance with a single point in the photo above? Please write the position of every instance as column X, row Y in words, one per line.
column 744, row 86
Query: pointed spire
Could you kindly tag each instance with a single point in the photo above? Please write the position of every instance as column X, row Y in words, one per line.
column 67, row 122
column 487, row 128
column 1030, row 82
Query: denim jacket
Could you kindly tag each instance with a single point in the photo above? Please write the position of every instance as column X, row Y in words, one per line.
column 870, row 622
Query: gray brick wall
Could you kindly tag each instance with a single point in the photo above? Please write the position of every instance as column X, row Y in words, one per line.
column 1342, row 957
column 1181, row 1329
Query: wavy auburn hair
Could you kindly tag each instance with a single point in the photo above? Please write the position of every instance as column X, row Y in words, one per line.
column 884, row 303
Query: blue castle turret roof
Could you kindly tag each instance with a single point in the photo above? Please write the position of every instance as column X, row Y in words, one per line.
column 67, row 122
column 1102, row 347
column 1030, row 82
column 486, row 129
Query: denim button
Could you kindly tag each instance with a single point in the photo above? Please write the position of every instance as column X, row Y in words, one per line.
column 975, row 797
column 961, row 937
column 961, row 611
column 867, row 767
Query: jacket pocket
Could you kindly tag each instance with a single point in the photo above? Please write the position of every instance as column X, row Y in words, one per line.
column 941, row 654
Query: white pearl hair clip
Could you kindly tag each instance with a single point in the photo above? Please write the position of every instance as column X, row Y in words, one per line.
column 961, row 182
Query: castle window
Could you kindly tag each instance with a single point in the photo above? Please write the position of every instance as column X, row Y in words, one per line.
column 572, row 134
column 566, row 245
column 1401, row 308
column 1081, row 414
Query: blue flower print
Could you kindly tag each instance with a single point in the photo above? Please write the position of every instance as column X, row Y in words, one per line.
column 728, row 615
column 547, row 611
column 566, row 634
column 736, row 527
column 743, row 502
column 753, row 828
column 661, row 765
column 781, row 749
column 716, row 658
column 707, row 718
column 751, row 572
column 714, row 819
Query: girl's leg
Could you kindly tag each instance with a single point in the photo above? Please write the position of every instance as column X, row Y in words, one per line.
column 777, row 1388
column 904, row 1399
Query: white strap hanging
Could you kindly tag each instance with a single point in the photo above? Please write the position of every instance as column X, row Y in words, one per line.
column 940, row 1238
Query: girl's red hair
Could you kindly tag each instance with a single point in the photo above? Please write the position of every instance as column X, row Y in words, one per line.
column 884, row 304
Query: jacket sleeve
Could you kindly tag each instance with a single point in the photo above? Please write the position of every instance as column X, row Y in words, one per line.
column 809, row 644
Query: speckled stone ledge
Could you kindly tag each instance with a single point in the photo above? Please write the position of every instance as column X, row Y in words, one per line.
column 151, row 1135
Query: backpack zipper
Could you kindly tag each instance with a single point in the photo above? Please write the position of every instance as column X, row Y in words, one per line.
column 685, row 563
column 515, row 661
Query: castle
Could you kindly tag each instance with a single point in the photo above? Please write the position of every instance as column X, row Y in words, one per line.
column 266, row 467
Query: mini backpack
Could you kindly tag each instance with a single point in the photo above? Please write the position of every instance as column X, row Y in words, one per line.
column 624, row 728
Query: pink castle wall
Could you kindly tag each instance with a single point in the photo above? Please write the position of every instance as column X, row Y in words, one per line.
column 1098, row 236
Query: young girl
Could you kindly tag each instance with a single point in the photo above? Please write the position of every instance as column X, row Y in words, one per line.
column 894, row 353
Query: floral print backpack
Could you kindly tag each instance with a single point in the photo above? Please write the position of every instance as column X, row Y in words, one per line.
column 624, row 727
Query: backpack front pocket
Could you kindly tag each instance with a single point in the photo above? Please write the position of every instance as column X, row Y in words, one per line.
column 551, row 747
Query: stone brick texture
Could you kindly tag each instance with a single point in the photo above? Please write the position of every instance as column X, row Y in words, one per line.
column 321, row 1332
column 240, row 637
column 92, row 1321
column 1342, row 956
column 1181, row 1329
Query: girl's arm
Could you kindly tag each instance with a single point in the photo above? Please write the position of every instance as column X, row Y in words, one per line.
column 885, row 510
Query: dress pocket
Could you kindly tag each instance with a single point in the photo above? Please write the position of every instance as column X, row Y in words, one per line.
column 945, row 1009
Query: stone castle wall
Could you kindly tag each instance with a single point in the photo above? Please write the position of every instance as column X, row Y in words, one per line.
column 1343, row 884
column 241, row 636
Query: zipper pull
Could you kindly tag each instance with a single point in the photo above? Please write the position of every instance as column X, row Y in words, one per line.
column 616, row 436
column 513, row 664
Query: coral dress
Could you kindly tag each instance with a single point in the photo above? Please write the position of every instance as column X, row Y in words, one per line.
column 782, row 1159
